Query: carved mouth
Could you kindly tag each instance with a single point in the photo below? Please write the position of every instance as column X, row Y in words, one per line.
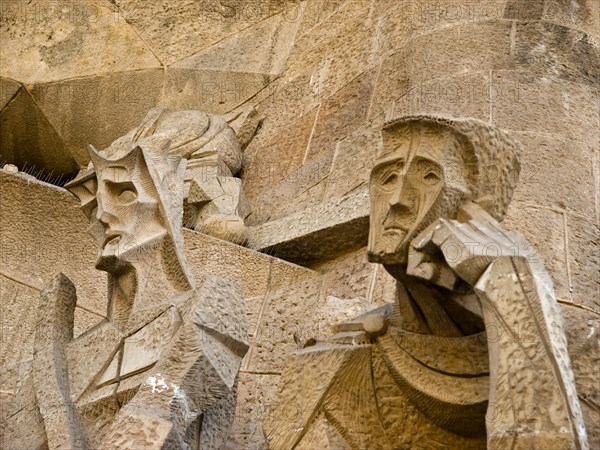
column 394, row 229
column 394, row 234
column 112, row 239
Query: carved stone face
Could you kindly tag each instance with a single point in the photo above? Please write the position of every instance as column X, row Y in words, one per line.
column 408, row 190
column 127, row 220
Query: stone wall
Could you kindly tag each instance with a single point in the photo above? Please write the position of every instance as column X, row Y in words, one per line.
column 323, row 75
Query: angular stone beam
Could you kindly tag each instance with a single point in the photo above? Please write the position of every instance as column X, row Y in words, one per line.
column 318, row 233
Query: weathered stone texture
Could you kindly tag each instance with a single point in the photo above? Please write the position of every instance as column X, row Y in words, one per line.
column 258, row 274
column 323, row 76
column 38, row 248
column 97, row 109
column 167, row 26
column 51, row 41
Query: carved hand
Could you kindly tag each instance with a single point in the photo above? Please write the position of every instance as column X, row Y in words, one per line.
column 462, row 248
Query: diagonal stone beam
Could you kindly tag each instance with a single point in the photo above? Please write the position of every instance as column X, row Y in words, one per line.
column 318, row 233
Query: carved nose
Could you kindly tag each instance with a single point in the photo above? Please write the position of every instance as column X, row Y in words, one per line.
column 101, row 214
column 401, row 197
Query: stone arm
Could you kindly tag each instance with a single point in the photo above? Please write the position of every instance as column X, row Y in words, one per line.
column 533, row 402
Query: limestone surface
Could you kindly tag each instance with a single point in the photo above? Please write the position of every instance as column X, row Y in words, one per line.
column 307, row 87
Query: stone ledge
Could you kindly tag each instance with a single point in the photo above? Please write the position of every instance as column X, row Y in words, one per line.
column 318, row 233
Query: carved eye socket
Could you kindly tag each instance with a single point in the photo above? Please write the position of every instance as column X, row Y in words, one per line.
column 431, row 177
column 386, row 177
column 124, row 192
column 127, row 196
column 390, row 179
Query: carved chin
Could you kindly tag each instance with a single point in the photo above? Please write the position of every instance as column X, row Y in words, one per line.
column 109, row 263
column 391, row 248
column 121, row 250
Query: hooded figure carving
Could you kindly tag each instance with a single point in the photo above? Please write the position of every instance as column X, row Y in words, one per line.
column 443, row 365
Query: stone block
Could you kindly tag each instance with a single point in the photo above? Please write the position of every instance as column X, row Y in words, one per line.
column 142, row 349
column 8, row 89
column 584, row 350
column 324, row 321
column 343, row 40
column 341, row 113
column 521, row 102
column 583, row 15
column 255, row 393
column 443, row 54
column 347, row 276
column 547, row 49
column 287, row 99
column 391, row 83
column 85, row 319
column 312, row 196
column 458, row 95
column 20, row 294
column 466, row 47
column 18, row 310
column 584, row 260
column 544, row 230
column 303, row 188
column 211, row 91
column 316, row 234
column 254, row 306
column 207, row 254
column 546, row 183
column 383, row 287
column 283, row 316
column 167, row 25
column 51, row 237
column 260, row 48
column 394, row 27
column 98, row 109
column 53, row 41
column 523, row 10
column 31, row 143
column 317, row 12
column 430, row 17
column 283, row 273
column 351, row 54
column 354, row 158
column 267, row 167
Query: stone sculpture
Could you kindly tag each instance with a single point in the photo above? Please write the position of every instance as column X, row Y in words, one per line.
column 214, row 202
column 161, row 370
column 471, row 354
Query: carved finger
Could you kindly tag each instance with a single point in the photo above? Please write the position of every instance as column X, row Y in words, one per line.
column 421, row 255
column 426, row 261
column 423, row 241
column 460, row 251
